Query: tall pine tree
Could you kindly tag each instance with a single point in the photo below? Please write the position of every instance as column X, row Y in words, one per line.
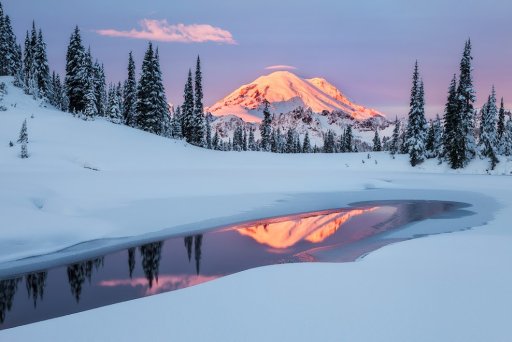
column 198, row 134
column 265, row 128
column 488, row 138
column 152, row 109
column 76, row 80
column 464, row 142
column 130, row 94
column 394, row 147
column 417, row 125
column 187, row 109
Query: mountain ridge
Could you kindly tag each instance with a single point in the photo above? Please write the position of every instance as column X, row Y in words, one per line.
column 285, row 92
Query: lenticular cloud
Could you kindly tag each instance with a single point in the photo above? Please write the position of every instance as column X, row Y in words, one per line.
column 161, row 30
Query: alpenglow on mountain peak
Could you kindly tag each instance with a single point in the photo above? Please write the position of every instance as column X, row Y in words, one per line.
column 286, row 91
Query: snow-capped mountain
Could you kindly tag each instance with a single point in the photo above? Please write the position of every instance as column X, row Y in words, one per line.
column 286, row 92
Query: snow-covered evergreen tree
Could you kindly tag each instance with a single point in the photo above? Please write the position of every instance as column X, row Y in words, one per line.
column 488, row 138
column 198, row 134
column 152, row 108
column 438, row 147
column 10, row 53
column 23, row 140
column 464, row 139
column 238, row 138
column 215, row 141
column 290, row 141
column 501, row 122
column 265, row 128
column 417, row 125
column 329, row 142
column 394, row 147
column 130, row 94
column 451, row 122
column 98, row 72
column 90, row 109
column 187, row 109
column 377, row 145
column 114, row 105
column 40, row 70
column 176, row 124
column 76, row 80
column 348, row 138
column 251, row 144
column 429, row 145
column 507, row 139
column 306, row 144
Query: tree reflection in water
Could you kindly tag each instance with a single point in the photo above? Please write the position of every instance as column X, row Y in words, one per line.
column 36, row 283
column 198, row 242
column 188, row 245
column 77, row 273
column 8, row 289
column 151, row 254
column 131, row 260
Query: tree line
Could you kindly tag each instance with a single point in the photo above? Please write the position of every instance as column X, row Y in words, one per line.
column 463, row 133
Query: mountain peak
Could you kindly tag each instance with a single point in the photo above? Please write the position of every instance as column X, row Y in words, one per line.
column 285, row 91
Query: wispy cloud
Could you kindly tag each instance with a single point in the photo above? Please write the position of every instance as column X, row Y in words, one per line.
column 280, row 67
column 161, row 30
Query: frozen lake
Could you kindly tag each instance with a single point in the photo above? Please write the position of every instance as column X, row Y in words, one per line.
column 176, row 262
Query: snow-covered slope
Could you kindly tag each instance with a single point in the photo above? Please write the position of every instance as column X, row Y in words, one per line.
column 285, row 92
column 450, row 287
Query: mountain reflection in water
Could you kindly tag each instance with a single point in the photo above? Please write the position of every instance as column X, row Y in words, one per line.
column 183, row 261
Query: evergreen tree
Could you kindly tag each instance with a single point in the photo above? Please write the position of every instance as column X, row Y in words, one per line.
column 188, row 109
column 244, row 142
column 438, row 148
column 274, row 144
column 395, row 140
column 464, row 140
column 90, row 110
column 215, row 141
column 208, row 143
column 306, row 145
column 501, row 121
column 76, row 81
column 238, row 138
column 451, row 122
column 176, row 124
column 507, row 139
column 10, row 55
column 198, row 135
column 417, row 124
column 266, row 129
column 100, row 89
column 40, row 71
column 251, row 143
column 290, row 141
column 114, row 105
column 23, row 140
column 152, row 108
column 429, row 146
column 377, row 145
column 488, row 138
column 130, row 95
column 347, row 138
column 329, row 142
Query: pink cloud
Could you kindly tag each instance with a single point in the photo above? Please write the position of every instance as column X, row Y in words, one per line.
column 280, row 67
column 161, row 30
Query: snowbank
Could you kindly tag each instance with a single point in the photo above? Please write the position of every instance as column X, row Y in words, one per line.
column 444, row 288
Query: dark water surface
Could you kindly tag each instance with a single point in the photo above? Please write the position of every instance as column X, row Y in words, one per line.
column 337, row 235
